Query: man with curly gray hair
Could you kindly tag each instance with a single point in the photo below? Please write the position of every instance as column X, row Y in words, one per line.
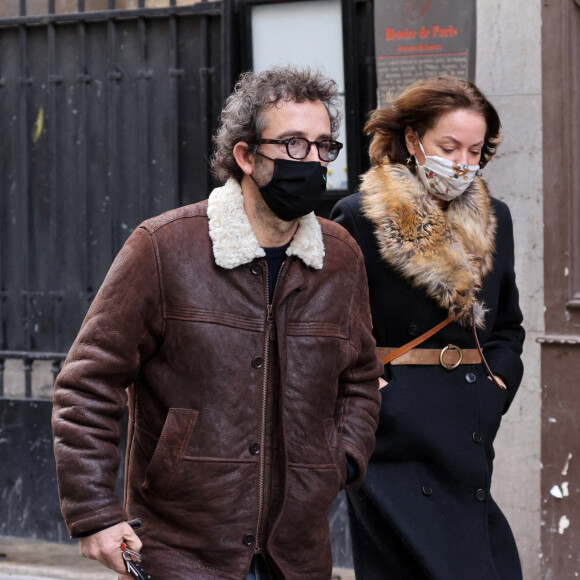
column 242, row 118
column 240, row 327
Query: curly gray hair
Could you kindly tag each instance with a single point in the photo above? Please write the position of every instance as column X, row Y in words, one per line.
column 241, row 119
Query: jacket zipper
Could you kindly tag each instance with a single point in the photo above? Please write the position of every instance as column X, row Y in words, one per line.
column 269, row 318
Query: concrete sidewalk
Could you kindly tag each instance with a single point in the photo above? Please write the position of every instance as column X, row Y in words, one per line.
column 49, row 560
column 32, row 558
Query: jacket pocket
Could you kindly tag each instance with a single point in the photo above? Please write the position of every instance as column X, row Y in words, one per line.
column 169, row 450
column 338, row 457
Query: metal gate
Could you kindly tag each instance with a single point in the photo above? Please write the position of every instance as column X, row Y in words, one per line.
column 105, row 119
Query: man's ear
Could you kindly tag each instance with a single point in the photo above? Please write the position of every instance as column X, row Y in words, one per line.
column 244, row 157
column 411, row 141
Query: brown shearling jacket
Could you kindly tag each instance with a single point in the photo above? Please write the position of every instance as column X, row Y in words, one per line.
column 241, row 415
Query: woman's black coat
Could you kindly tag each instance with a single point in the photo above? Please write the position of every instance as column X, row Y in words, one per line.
column 425, row 508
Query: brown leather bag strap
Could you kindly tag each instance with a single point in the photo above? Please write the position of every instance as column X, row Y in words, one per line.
column 488, row 370
column 416, row 341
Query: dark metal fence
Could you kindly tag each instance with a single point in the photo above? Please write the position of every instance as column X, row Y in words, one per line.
column 106, row 118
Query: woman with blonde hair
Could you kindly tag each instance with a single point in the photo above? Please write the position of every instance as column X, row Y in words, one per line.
column 439, row 255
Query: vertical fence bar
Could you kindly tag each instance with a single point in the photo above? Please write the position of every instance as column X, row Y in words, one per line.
column 27, row 363
column 143, row 75
column 205, row 72
column 227, row 66
column 351, row 89
column 83, row 79
column 175, row 73
column 54, row 81
column 24, row 167
column 25, row 82
column 114, row 77
column 3, row 217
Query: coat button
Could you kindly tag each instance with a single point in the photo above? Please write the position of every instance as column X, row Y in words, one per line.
column 477, row 437
column 426, row 490
column 256, row 268
column 413, row 330
column 480, row 495
column 248, row 540
column 255, row 448
column 258, row 362
column 470, row 377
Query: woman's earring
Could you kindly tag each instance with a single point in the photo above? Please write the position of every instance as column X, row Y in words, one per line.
column 409, row 160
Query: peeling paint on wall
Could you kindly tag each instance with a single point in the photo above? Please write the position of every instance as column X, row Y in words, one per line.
column 567, row 464
column 563, row 524
column 560, row 491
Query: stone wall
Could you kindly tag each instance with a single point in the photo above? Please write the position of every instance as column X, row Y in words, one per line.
column 509, row 73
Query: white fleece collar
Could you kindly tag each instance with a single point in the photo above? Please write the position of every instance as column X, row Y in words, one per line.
column 234, row 242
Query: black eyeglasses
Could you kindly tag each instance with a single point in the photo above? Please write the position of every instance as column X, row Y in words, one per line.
column 299, row 147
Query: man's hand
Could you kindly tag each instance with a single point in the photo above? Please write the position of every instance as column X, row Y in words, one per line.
column 105, row 546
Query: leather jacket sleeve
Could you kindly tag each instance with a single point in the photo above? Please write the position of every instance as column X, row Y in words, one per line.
column 121, row 329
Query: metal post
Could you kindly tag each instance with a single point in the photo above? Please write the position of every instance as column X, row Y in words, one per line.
column 144, row 75
column 114, row 77
column 351, row 92
column 226, row 46
column 83, row 79
column 24, row 167
column 27, row 362
column 175, row 74
column 54, row 81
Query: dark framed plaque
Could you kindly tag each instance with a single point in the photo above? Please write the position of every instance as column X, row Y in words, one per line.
column 418, row 39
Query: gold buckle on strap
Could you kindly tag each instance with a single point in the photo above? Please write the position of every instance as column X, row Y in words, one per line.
column 450, row 367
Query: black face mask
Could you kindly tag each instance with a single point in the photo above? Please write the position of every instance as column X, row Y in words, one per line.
column 296, row 188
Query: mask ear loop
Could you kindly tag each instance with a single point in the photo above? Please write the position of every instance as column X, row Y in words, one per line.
column 422, row 150
column 257, row 152
column 420, row 144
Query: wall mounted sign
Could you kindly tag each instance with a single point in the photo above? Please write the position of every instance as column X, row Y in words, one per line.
column 418, row 39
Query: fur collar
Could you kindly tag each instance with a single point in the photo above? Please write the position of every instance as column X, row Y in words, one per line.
column 447, row 253
column 233, row 239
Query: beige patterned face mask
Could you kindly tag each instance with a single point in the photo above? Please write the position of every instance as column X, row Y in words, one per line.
column 442, row 177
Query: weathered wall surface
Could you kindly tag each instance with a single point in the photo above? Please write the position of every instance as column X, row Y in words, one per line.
column 509, row 72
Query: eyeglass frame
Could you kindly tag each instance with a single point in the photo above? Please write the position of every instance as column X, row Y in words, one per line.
column 310, row 143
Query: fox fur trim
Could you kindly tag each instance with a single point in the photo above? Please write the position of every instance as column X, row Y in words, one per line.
column 446, row 252
column 234, row 242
